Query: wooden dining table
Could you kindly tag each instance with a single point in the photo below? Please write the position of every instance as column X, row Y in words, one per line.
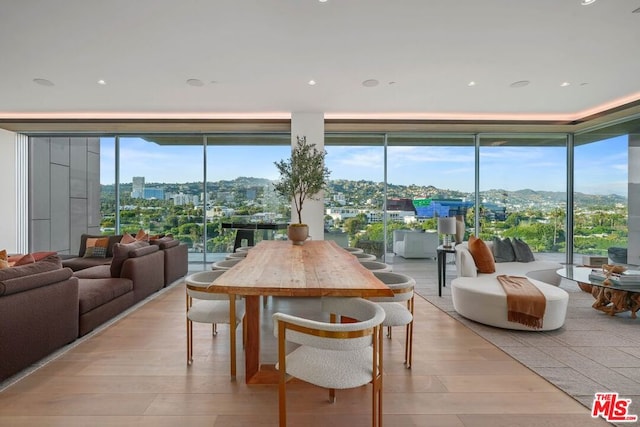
column 319, row 268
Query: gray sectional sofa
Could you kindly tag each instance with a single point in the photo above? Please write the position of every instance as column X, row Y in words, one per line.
column 45, row 305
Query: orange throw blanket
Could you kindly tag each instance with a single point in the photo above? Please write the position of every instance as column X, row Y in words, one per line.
column 525, row 302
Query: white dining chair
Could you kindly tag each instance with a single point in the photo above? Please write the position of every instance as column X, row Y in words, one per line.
column 204, row 306
column 376, row 266
column 225, row 264
column 398, row 308
column 333, row 355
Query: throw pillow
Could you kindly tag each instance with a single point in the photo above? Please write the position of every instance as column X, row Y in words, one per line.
column 25, row 259
column 503, row 250
column 96, row 247
column 522, row 251
column 481, row 255
column 4, row 260
column 127, row 238
column 142, row 236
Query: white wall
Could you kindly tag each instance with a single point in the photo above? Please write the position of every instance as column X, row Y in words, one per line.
column 310, row 125
column 8, row 173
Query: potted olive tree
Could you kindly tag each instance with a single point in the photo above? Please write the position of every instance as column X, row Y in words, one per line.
column 302, row 177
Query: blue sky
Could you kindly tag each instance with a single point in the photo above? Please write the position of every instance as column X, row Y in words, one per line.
column 601, row 167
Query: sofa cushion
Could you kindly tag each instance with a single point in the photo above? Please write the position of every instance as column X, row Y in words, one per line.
column 95, row 272
column 481, row 255
column 165, row 242
column 503, row 250
column 33, row 281
column 121, row 253
column 145, row 250
column 522, row 251
column 9, row 273
column 93, row 293
column 78, row 263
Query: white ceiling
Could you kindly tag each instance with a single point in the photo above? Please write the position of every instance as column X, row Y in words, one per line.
column 255, row 58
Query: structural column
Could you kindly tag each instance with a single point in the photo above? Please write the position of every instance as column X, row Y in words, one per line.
column 10, row 191
column 633, row 194
column 310, row 125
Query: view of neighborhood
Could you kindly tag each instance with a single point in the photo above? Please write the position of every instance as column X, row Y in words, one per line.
column 355, row 208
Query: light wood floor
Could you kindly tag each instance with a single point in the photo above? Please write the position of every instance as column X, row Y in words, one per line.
column 134, row 373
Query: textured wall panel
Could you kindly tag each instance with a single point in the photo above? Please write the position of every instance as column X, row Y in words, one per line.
column 59, row 207
column 60, row 151
column 78, row 171
column 78, row 218
column 40, row 235
column 39, row 161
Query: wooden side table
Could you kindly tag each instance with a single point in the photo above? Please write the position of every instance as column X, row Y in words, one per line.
column 442, row 252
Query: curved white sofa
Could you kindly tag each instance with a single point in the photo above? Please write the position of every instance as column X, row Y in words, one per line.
column 480, row 297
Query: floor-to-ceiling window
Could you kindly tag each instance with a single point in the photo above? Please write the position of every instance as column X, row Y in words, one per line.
column 240, row 173
column 431, row 174
column 159, row 182
column 523, row 181
column 160, row 186
column 355, row 199
column 606, row 197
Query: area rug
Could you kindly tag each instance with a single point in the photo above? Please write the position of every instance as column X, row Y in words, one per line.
column 593, row 352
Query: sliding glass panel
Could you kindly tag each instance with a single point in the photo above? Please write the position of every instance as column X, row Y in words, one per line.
column 161, row 187
column 429, row 176
column 354, row 203
column 606, row 197
column 523, row 190
column 241, row 203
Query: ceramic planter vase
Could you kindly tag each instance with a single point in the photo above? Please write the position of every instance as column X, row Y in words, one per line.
column 298, row 233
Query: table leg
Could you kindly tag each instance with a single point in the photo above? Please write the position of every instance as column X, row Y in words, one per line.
column 254, row 371
column 252, row 346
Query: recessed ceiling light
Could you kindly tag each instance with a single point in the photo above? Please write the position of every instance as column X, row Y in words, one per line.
column 312, row 82
column 471, row 83
column 370, row 83
column 195, row 82
column 565, row 84
column 322, row 1
column 520, row 83
column 587, row 2
column 102, row 82
column 43, row 82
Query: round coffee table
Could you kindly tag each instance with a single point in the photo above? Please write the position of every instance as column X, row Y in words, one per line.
column 610, row 298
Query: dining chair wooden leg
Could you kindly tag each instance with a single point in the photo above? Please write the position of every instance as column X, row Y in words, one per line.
column 408, row 349
column 189, row 335
column 389, row 332
column 332, row 395
column 282, row 391
column 214, row 329
column 376, row 409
